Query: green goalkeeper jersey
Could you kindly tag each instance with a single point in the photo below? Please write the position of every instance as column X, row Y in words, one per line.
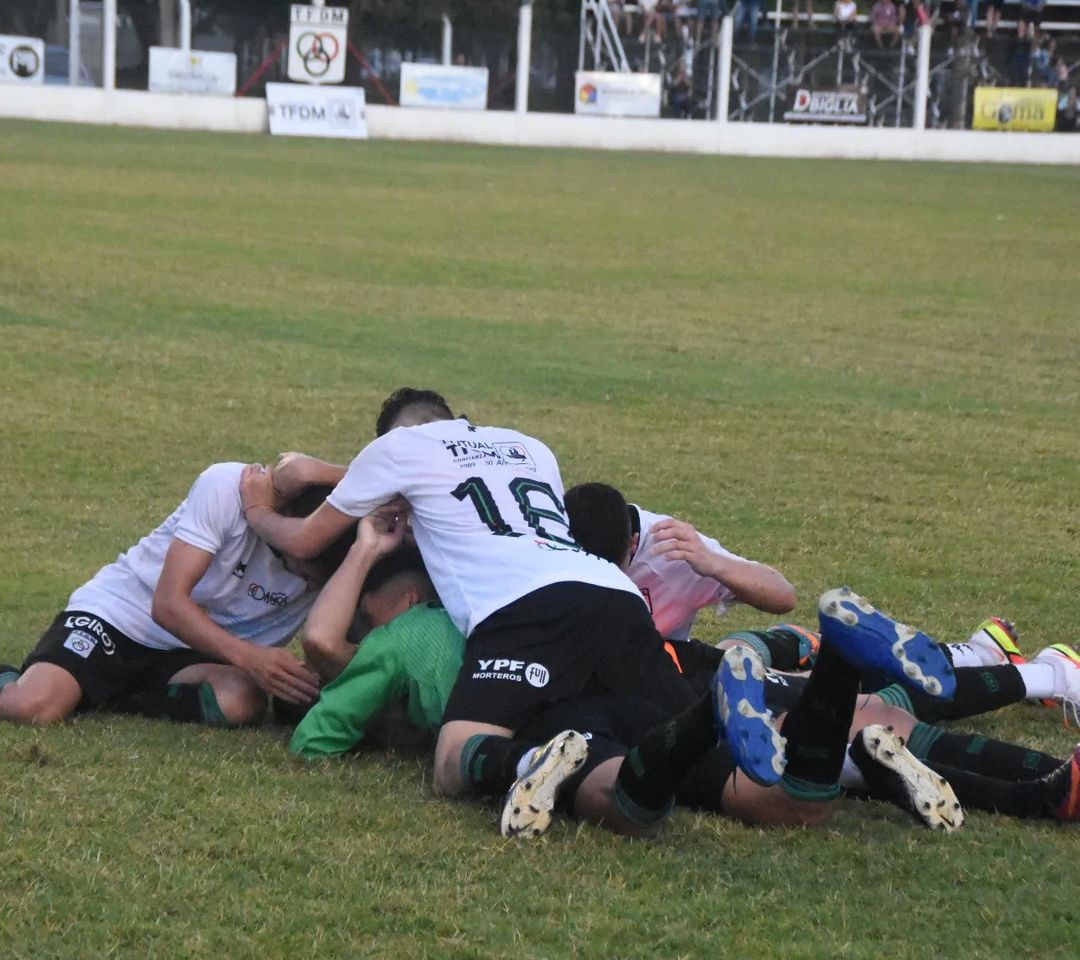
column 415, row 657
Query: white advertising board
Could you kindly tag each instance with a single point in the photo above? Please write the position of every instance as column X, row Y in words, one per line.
column 617, row 94
column 192, row 71
column 295, row 110
column 22, row 59
column 456, row 88
column 318, row 43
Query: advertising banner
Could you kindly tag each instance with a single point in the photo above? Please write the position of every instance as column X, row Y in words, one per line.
column 455, row 88
column 192, row 71
column 826, row 106
column 318, row 43
column 296, row 110
column 1015, row 108
column 22, row 59
column 617, row 94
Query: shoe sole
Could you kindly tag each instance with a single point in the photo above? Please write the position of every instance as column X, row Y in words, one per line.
column 928, row 795
column 749, row 727
column 910, row 648
column 529, row 802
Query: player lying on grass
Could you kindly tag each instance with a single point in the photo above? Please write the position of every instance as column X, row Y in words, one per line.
column 680, row 572
column 416, row 657
column 188, row 624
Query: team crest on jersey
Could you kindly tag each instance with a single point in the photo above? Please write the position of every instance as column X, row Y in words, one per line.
column 514, row 453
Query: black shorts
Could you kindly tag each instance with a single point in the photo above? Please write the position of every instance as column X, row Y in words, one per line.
column 108, row 665
column 561, row 642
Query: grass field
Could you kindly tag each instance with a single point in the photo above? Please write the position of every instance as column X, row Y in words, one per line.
column 861, row 373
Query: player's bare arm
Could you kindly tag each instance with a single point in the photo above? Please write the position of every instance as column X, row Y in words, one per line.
column 275, row 670
column 756, row 584
column 293, row 471
column 325, row 640
column 303, row 538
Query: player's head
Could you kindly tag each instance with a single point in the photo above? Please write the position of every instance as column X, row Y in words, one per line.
column 600, row 521
column 398, row 582
column 409, row 407
column 320, row 568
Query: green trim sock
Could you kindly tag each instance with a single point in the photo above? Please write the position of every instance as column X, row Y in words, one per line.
column 816, row 728
column 1025, row 799
column 758, row 641
column 489, row 762
column 8, row 675
column 799, row 789
column 978, row 690
column 649, row 773
column 980, row 755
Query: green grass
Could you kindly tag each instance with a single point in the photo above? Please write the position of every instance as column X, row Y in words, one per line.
column 861, row 373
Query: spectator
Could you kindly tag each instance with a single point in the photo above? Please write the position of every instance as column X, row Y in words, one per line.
column 885, row 22
column 713, row 11
column 993, row 15
column 809, row 4
column 749, row 11
column 679, row 93
column 915, row 15
column 845, row 13
column 1068, row 117
column 1031, row 12
column 959, row 20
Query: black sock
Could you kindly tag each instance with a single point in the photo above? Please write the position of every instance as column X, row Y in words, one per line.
column 179, row 702
column 648, row 775
column 978, row 690
column 1027, row 799
column 981, row 755
column 489, row 762
column 703, row 787
column 817, row 728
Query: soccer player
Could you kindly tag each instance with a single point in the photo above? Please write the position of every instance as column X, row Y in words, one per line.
column 545, row 621
column 188, row 624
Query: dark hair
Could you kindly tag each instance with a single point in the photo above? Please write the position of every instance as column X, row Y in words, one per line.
column 599, row 520
column 306, row 502
column 404, row 397
column 405, row 560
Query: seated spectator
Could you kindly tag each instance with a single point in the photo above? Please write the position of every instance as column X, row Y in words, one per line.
column 885, row 22
column 959, row 20
column 713, row 11
column 993, row 15
column 1031, row 12
column 679, row 93
column 809, row 5
column 747, row 11
column 845, row 12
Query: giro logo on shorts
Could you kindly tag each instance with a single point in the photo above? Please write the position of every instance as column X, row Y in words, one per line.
column 258, row 592
column 80, row 643
column 81, row 626
column 514, row 670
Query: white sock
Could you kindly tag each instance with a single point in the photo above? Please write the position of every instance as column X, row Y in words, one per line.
column 851, row 776
column 966, row 655
column 1039, row 680
column 526, row 759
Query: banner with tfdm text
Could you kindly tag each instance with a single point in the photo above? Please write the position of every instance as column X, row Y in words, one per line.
column 296, row 110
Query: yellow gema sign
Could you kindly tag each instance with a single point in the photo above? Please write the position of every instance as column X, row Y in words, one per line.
column 1014, row 108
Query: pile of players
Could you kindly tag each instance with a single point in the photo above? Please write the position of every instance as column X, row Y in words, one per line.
column 446, row 580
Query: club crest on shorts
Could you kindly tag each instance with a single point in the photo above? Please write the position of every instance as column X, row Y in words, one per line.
column 80, row 643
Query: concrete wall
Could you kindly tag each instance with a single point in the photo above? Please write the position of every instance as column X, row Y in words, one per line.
column 136, row 108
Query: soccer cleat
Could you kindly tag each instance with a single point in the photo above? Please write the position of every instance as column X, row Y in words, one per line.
column 999, row 638
column 1068, row 810
column 809, row 643
column 742, row 717
column 893, row 773
column 529, row 802
column 1066, row 663
column 877, row 644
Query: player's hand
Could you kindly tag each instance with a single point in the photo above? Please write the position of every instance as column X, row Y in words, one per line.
column 290, row 474
column 384, row 528
column 257, row 488
column 678, row 540
column 279, row 673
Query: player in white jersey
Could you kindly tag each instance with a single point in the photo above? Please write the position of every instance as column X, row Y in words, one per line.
column 187, row 624
column 545, row 620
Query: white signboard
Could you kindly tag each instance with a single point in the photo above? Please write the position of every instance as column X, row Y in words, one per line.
column 318, row 43
column 296, row 110
column 192, row 71
column 617, row 94
column 22, row 59
column 457, row 88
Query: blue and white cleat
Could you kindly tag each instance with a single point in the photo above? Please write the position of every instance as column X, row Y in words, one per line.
column 743, row 719
column 875, row 643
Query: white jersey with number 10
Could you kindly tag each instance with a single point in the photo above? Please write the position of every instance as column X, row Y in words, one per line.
column 488, row 513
